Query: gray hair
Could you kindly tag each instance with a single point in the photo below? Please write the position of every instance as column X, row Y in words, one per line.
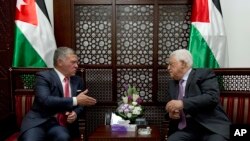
column 61, row 53
column 183, row 55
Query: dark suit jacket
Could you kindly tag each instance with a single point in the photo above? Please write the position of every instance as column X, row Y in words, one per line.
column 49, row 99
column 202, row 101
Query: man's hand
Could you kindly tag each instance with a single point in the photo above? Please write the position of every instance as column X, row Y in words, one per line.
column 174, row 107
column 84, row 100
column 174, row 114
column 71, row 116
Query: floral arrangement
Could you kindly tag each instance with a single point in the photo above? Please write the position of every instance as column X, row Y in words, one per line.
column 130, row 107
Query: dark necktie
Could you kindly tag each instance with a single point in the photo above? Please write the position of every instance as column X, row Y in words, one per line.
column 182, row 123
column 61, row 117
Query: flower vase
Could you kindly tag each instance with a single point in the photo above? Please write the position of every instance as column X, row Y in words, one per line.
column 132, row 121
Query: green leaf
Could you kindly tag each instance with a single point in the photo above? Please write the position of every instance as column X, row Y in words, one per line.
column 130, row 90
column 134, row 90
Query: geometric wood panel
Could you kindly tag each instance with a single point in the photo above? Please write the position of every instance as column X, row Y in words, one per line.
column 163, row 78
column 140, row 78
column 234, row 82
column 174, row 28
column 134, row 34
column 93, row 34
column 99, row 84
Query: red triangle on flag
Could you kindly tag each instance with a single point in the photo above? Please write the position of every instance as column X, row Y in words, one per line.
column 27, row 12
column 200, row 11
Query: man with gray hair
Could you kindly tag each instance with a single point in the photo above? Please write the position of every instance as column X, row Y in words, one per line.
column 60, row 96
column 193, row 102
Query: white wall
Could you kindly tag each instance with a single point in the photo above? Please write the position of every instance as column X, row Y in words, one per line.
column 237, row 24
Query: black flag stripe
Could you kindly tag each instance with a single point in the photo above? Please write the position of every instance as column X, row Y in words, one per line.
column 217, row 5
column 43, row 8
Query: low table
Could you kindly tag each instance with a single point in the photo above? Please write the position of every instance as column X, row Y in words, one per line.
column 104, row 133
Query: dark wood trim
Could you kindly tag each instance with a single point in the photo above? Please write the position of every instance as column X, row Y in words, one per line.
column 232, row 71
column 24, row 92
column 96, row 66
column 114, row 60
column 93, row 2
column 136, row 67
column 96, row 2
column 72, row 19
column 63, row 22
column 155, row 52
column 175, row 2
column 135, row 1
column 106, row 104
column 235, row 93
column 26, row 70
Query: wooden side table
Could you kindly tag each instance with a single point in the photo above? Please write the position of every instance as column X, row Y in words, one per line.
column 104, row 133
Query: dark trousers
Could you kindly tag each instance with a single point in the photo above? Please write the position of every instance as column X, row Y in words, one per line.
column 48, row 131
column 194, row 132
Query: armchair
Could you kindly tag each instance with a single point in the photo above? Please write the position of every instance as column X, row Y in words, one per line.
column 22, row 97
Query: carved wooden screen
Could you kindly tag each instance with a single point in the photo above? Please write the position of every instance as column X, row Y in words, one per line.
column 126, row 42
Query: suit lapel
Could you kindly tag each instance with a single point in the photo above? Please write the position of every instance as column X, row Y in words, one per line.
column 73, row 86
column 189, row 80
column 57, row 82
column 175, row 90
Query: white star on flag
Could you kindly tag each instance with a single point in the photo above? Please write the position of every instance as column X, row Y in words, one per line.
column 19, row 3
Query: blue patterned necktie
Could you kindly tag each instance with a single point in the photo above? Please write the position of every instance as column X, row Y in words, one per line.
column 182, row 123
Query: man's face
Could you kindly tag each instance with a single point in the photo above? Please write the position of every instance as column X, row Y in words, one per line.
column 69, row 65
column 176, row 68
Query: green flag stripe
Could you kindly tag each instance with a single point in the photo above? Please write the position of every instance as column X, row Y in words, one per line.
column 22, row 47
column 202, row 54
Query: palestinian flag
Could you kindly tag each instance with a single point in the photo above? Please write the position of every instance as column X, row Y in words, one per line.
column 208, row 42
column 34, row 38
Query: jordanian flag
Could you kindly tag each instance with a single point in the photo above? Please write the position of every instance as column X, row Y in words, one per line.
column 34, row 38
column 208, row 42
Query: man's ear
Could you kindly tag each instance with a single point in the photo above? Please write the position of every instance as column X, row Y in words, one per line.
column 59, row 62
column 183, row 64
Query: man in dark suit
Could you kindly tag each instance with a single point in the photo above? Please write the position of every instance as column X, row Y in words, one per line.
column 194, row 103
column 42, row 122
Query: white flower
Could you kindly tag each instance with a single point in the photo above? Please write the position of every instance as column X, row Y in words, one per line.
column 135, row 97
column 137, row 111
column 134, row 103
column 125, row 99
column 131, row 107
column 129, row 115
column 138, row 108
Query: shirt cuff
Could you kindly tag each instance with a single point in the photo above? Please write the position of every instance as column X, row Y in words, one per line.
column 74, row 101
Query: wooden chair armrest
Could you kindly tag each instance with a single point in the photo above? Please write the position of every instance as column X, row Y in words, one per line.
column 165, row 129
column 81, row 122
